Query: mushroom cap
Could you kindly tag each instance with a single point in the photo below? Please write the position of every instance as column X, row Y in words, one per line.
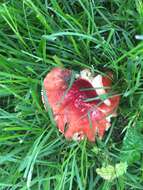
column 76, row 117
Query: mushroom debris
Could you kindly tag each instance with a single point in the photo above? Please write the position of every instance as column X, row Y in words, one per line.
column 80, row 106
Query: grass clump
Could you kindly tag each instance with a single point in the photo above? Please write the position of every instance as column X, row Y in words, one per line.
column 36, row 36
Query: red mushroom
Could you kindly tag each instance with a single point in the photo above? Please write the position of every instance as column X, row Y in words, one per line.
column 78, row 108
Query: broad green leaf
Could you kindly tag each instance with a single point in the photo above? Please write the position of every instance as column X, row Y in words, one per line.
column 132, row 145
column 111, row 172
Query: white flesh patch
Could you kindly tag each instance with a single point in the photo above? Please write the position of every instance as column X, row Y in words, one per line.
column 78, row 136
column 86, row 74
column 109, row 118
column 108, row 124
column 96, row 83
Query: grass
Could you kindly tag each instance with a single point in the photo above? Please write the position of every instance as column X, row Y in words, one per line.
column 36, row 36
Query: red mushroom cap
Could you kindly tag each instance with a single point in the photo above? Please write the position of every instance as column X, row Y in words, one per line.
column 76, row 117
